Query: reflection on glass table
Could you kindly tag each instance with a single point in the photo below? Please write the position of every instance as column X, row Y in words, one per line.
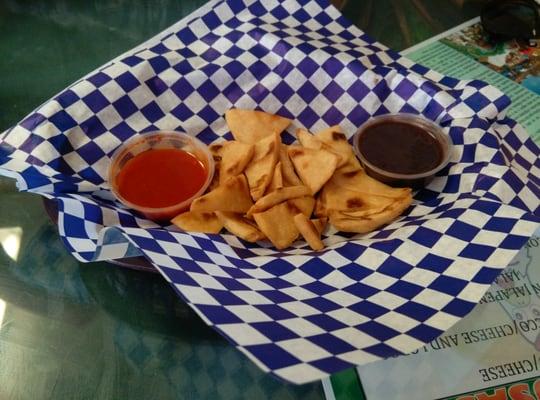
column 71, row 330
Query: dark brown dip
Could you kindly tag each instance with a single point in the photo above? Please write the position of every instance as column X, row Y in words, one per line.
column 400, row 147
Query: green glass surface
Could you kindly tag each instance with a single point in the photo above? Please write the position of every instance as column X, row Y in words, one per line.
column 96, row 331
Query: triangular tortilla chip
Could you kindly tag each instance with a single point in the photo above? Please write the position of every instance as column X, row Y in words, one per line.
column 340, row 198
column 398, row 205
column 278, row 196
column 320, row 224
column 232, row 196
column 240, row 226
column 351, row 164
column 309, row 231
column 289, row 176
column 315, row 167
column 260, row 170
column 202, row 222
column 216, row 148
column 336, row 139
column 277, row 179
column 302, row 205
column 320, row 210
column 359, row 180
column 278, row 225
column 362, row 224
column 309, row 141
column 249, row 126
column 235, row 156
column 215, row 179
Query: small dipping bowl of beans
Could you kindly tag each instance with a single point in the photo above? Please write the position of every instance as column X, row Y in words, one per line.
column 402, row 149
column 160, row 173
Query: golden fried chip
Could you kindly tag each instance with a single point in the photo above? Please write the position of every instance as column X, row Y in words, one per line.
column 277, row 179
column 320, row 210
column 278, row 196
column 203, row 222
column 283, row 180
column 240, row 226
column 249, row 126
column 350, row 165
column 359, row 180
column 309, row 231
column 354, row 222
column 232, row 196
column 315, row 167
column 260, row 170
column 320, row 224
column 336, row 139
column 289, row 176
column 342, row 198
column 215, row 149
column 302, row 205
column 215, row 179
column 278, row 225
column 309, row 141
column 235, row 156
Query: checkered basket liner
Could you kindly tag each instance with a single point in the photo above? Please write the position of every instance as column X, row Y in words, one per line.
column 298, row 314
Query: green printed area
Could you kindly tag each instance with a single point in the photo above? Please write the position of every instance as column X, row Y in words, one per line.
column 525, row 106
column 347, row 386
column 528, row 389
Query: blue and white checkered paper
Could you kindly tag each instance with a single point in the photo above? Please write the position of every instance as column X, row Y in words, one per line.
column 298, row 314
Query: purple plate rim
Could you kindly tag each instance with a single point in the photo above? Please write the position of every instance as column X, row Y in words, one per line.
column 138, row 263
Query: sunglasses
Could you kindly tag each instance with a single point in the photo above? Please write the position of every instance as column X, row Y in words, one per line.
column 512, row 19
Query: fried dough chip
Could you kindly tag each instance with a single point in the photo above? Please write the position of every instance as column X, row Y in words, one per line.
column 359, row 180
column 289, row 176
column 278, row 196
column 260, row 170
column 232, row 196
column 215, row 179
column 265, row 189
column 309, row 231
column 336, row 139
column 355, row 222
column 277, row 179
column 215, row 149
column 203, row 222
column 315, row 167
column 235, row 156
column 302, row 205
column 240, row 226
column 320, row 224
column 249, row 126
column 341, row 198
column 352, row 164
column 309, row 141
column 278, row 225
column 320, row 210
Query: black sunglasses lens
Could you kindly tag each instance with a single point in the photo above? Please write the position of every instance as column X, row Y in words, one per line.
column 510, row 19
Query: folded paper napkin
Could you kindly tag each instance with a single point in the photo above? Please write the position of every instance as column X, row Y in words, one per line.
column 298, row 314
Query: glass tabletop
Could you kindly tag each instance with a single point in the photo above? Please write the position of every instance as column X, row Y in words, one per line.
column 98, row 331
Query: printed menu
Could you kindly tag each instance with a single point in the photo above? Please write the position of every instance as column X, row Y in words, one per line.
column 492, row 354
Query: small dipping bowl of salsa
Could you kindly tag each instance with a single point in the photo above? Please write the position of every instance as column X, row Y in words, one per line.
column 160, row 173
column 402, row 149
